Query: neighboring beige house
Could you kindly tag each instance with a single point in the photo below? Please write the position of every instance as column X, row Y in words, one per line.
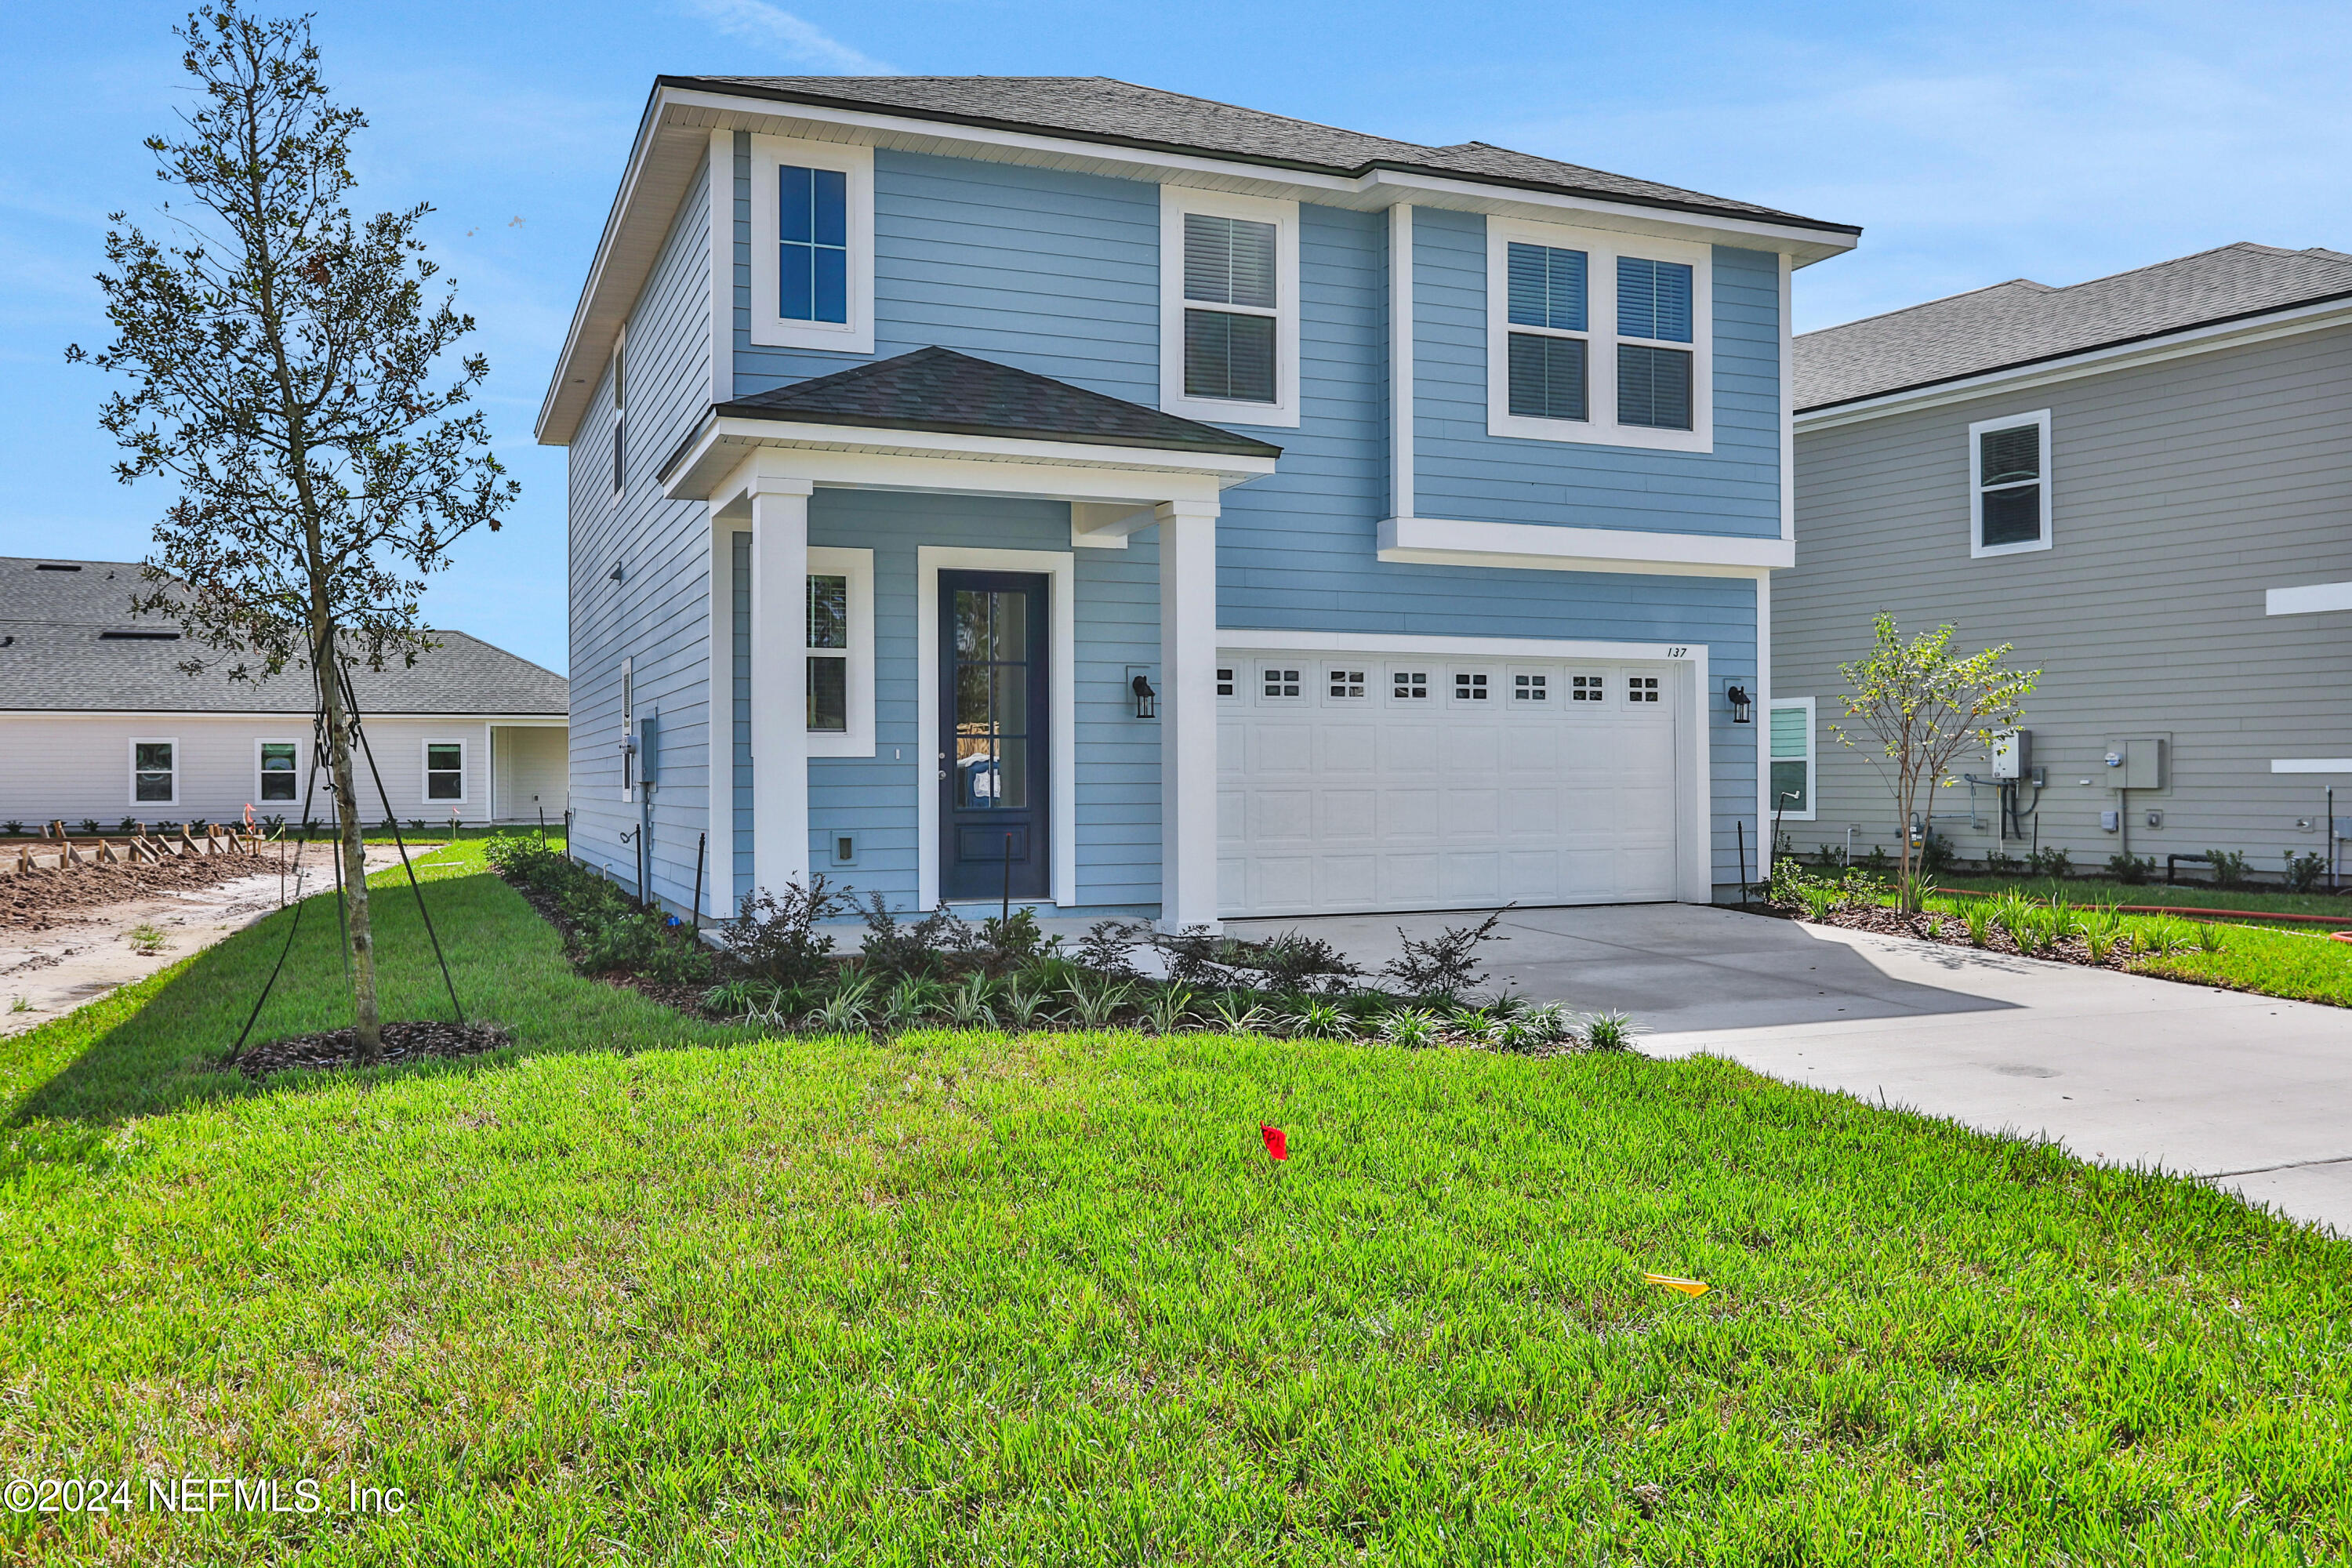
column 97, row 721
column 2143, row 482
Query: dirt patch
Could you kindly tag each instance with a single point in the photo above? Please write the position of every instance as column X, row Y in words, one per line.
column 403, row 1042
column 46, row 899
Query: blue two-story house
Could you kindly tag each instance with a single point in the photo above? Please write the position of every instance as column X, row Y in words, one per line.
column 1063, row 490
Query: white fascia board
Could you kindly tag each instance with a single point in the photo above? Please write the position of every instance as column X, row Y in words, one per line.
column 2192, row 340
column 1246, row 639
column 922, row 460
column 1449, row 542
column 2310, row 764
column 1803, row 246
column 2309, row 600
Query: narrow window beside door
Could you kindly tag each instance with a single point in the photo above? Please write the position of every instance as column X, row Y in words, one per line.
column 828, row 653
column 1792, row 758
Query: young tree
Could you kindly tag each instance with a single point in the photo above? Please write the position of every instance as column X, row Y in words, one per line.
column 289, row 374
column 1922, row 705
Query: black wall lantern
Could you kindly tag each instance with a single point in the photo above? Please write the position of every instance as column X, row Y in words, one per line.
column 1146, row 702
column 1743, row 712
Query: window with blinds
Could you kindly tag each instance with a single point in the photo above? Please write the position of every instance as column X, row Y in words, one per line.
column 1229, row 352
column 1550, row 353
column 1653, row 384
column 2008, row 486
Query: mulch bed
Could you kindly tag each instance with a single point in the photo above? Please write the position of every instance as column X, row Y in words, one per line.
column 1952, row 933
column 39, row 900
column 686, row 999
column 402, row 1042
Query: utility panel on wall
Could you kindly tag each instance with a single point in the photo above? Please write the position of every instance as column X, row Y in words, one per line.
column 2137, row 762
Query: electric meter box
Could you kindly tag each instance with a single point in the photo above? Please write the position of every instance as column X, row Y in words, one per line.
column 2135, row 764
column 2012, row 753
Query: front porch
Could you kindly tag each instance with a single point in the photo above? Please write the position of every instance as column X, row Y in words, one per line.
column 861, row 739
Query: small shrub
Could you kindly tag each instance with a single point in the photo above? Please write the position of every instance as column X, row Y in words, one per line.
column 2051, row 861
column 2131, row 869
column 1446, row 964
column 1830, row 857
column 968, row 1003
column 1936, row 855
column 12, row 827
column 1292, row 963
column 1319, row 1018
column 1413, row 1027
column 776, row 939
column 1478, row 1024
column 1976, row 915
column 1535, row 1026
column 2305, row 872
column 2229, row 867
column 1168, row 1009
column 1021, row 1005
column 417, row 824
column 1878, row 862
column 918, row 951
column 1999, row 862
column 1238, row 1012
column 89, row 825
column 1820, row 903
column 849, row 1010
column 2101, row 933
column 1093, row 1007
column 1609, row 1032
column 911, row 1001
column 1014, row 939
column 1108, row 948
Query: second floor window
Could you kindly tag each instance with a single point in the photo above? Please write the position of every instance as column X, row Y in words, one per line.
column 813, row 244
column 1229, row 352
column 1549, row 351
column 2009, row 463
column 1654, row 384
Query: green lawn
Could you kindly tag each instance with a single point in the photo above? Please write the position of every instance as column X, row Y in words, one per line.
column 2185, row 896
column 646, row 1289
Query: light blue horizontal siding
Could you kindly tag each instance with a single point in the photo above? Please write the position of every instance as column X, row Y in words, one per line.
column 657, row 614
column 1460, row 471
column 877, row 800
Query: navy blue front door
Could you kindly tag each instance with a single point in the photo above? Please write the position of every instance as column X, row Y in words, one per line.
column 993, row 761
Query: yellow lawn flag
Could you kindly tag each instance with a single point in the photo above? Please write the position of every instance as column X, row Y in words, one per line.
column 1687, row 1287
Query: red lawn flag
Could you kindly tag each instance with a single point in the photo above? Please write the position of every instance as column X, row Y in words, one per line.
column 1275, row 1143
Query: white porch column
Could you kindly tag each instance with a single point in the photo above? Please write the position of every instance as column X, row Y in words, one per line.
column 780, row 852
column 1188, row 713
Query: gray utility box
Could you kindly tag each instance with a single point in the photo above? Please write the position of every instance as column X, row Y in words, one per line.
column 2012, row 753
column 2136, row 763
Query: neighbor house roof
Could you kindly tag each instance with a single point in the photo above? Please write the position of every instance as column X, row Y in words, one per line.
column 1103, row 109
column 68, row 642
column 2020, row 322
column 938, row 389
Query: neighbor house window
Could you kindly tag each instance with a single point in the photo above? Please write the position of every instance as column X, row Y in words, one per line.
column 839, row 652
column 1550, row 353
column 1791, row 741
column 1654, row 307
column 1598, row 337
column 280, row 769
column 2009, row 472
column 1229, row 330
column 812, row 244
column 154, row 772
column 445, row 770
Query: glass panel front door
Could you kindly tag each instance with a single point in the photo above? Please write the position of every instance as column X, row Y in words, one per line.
column 992, row 755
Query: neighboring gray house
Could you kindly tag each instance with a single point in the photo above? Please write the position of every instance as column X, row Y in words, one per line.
column 2142, row 482
column 97, row 721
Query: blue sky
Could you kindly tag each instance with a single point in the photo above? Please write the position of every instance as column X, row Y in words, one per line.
column 1974, row 143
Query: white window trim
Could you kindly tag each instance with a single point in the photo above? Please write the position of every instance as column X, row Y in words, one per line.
column 1978, row 549
column 131, row 756
column 424, row 770
column 259, row 804
column 770, row 330
column 1813, row 763
column 1060, row 570
column 1601, row 250
column 1175, row 202
column 857, row 565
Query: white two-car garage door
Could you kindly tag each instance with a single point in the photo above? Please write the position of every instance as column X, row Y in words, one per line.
column 1377, row 781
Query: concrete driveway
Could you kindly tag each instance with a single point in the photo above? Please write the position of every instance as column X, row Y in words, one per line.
column 2252, row 1093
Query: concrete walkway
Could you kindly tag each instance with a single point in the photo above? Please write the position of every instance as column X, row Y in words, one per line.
column 2252, row 1093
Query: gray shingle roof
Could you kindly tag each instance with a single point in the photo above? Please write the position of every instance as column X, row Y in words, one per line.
column 1102, row 109
column 2020, row 322
column 55, row 656
column 938, row 389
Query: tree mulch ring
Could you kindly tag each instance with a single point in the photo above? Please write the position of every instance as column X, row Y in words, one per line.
column 403, row 1042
